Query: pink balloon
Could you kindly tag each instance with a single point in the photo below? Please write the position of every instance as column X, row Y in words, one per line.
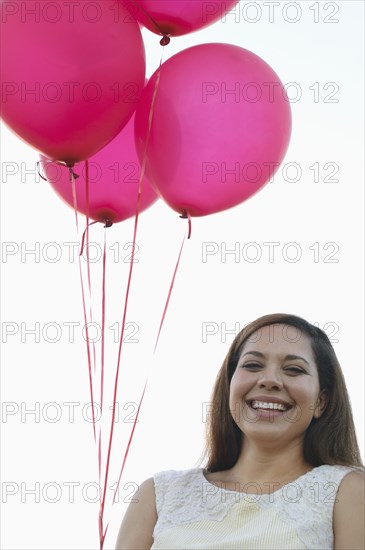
column 71, row 73
column 114, row 174
column 220, row 129
column 176, row 17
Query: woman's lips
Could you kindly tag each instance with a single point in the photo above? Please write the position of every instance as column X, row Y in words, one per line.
column 267, row 410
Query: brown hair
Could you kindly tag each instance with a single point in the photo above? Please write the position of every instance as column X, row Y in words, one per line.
column 330, row 439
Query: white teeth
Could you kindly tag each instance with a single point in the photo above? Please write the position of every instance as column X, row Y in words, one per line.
column 265, row 405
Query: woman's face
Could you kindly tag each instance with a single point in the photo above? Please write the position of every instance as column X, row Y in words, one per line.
column 275, row 392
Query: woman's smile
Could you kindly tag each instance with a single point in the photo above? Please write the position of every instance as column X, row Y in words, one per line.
column 276, row 382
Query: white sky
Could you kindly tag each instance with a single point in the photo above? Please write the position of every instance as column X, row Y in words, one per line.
column 214, row 294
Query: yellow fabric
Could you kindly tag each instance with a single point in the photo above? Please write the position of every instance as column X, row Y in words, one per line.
column 246, row 526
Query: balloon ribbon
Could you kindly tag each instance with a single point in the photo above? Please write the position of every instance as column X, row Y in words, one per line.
column 72, row 181
column 103, row 532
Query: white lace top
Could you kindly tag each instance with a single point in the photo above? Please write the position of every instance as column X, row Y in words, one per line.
column 195, row 514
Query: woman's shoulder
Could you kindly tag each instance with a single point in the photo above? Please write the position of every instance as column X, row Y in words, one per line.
column 324, row 481
column 173, row 477
column 175, row 490
column 330, row 473
column 353, row 482
column 352, row 486
column 349, row 511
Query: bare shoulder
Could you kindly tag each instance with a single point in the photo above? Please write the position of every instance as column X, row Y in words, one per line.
column 140, row 519
column 351, row 489
column 349, row 512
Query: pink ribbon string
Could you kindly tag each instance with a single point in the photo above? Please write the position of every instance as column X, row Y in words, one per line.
column 87, row 188
column 73, row 176
column 102, row 361
column 85, row 238
column 126, row 453
column 185, row 215
column 116, row 380
column 102, row 349
column 72, row 181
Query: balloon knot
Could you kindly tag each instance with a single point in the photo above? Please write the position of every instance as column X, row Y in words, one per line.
column 108, row 223
column 186, row 216
column 165, row 40
column 71, row 170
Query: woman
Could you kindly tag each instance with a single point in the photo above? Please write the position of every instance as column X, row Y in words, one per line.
column 284, row 468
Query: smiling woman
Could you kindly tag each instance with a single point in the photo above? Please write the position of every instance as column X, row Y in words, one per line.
column 283, row 466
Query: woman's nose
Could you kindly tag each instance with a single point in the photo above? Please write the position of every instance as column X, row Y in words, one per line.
column 270, row 378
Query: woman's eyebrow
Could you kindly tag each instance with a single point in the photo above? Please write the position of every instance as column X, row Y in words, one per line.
column 291, row 357
column 257, row 353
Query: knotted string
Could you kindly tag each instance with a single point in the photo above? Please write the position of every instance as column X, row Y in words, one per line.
column 165, row 37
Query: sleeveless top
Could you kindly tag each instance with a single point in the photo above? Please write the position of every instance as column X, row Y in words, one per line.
column 195, row 514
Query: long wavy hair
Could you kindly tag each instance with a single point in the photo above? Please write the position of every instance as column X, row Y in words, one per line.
column 330, row 439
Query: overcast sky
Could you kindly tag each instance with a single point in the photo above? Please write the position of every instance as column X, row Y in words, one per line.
column 296, row 246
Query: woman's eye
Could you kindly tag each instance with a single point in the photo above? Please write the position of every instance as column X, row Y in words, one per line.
column 295, row 370
column 251, row 366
